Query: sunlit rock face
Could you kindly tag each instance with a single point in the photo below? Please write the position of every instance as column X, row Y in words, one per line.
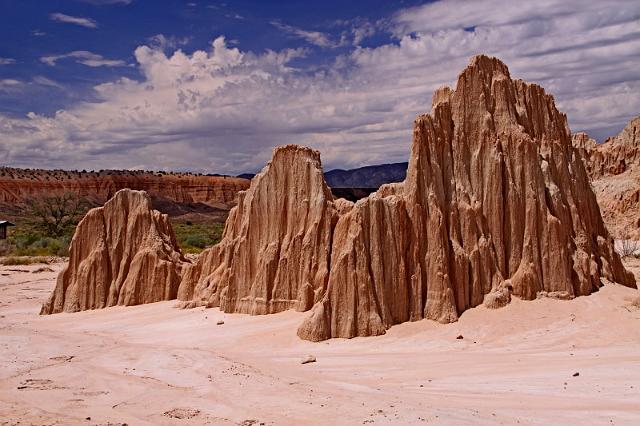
column 276, row 246
column 614, row 169
column 124, row 253
column 613, row 157
column 496, row 202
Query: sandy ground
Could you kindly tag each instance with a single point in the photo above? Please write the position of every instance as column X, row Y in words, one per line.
column 155, row 364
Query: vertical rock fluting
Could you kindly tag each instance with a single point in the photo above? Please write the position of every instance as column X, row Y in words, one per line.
column 496, row 201
column 274, row 253
column 124, row 253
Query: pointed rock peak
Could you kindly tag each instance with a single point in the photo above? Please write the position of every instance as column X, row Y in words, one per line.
column 442, row 94
column 494, row 204
column 486, row 100
column 295, row 151
column 488, row 66
column 124, row 253
column 274, row 254
column 630, row 135
column 581, row 140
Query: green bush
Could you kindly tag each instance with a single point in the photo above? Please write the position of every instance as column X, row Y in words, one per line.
column 29, row 240
column 195, row 237
column 199, row 241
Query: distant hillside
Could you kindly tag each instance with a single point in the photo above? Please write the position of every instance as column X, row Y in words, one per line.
column 367, row 177
column 246, row 176
column 173, row 193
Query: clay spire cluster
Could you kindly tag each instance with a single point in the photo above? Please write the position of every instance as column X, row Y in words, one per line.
column 496, row 203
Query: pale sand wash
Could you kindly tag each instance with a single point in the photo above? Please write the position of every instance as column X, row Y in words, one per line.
column 152, row 364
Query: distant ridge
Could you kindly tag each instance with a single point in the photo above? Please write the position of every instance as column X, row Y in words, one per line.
column 367, row 177
column 361, row 177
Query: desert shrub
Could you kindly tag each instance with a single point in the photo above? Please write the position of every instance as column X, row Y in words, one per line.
column 29, row 240
column 6, row 247
column 199, row 241
column 629, row 248
column 195, row 237
column 625, row 245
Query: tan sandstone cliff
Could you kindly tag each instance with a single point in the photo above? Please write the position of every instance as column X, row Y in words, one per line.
column 19, row 185
column 614, row 168
column 496, row 201
column 275, row 249
column 124, row 253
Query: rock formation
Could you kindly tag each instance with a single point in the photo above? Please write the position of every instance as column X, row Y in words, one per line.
column 614, row 167
column 613, row 157
column 275, row 249
column 124, row 253
column 18, row 185
column 496, row 201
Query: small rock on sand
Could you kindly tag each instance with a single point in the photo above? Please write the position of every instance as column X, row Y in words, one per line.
column 220, row 322
column 308, row 359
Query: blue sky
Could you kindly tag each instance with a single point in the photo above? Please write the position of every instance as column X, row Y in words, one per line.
column 213, row 86
column 114, row 28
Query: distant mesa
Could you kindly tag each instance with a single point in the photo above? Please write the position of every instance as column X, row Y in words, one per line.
column 172, row 193
column 124, row 253
column 496, row 203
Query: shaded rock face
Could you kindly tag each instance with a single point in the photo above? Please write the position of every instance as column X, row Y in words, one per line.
column 124, row 253
column 613, row 157
column 496, row 201
column 275, row 250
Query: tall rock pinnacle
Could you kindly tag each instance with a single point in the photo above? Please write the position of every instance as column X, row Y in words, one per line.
column 495, row 202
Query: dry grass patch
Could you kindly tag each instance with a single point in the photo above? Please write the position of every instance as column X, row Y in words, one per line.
column 23, row 260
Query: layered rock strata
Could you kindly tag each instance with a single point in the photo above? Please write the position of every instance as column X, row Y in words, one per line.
column 19, row 185
column 124, row 253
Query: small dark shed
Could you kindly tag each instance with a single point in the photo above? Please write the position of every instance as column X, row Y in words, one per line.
column 3, row 228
